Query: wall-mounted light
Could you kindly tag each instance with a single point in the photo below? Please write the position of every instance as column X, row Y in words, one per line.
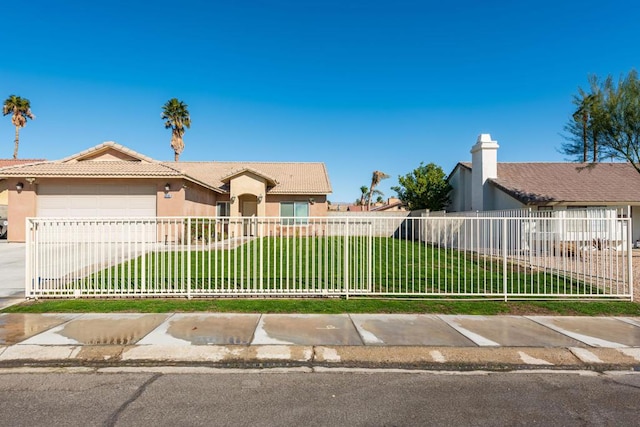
column 167, row 187
column 260, row 198
column 233, row 199
column 19, row 186
column 30, row 180
column 312, row 200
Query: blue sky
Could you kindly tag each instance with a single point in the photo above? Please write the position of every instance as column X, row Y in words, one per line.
column 359, row 85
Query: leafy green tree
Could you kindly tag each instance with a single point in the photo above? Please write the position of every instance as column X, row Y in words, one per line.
column 20, row 110
column 584, row 129
column 620, row 118
column 426, row 187
column 606, row 122
column 177, row 118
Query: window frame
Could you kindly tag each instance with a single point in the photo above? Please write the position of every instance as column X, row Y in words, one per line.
column 295, row 219
column 228, row 209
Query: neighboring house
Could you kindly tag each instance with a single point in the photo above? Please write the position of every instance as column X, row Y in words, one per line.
column 484, row 184
column 357, row 208
column 110, row 180
column 393, row 204
column 338, row 207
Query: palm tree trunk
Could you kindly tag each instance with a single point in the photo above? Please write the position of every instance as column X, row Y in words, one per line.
column 16, row 143
column 585, row 144
column 176, row 156
column 595, row 148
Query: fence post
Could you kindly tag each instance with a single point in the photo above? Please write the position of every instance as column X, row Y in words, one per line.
column 188, row 257
column 630, row 250
column 346, row 258
column 260, row 233
column 504, row 257
column 370, row 257
column 27, row 264
column 143, row 258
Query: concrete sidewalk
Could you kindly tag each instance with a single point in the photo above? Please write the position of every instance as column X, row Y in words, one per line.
column 348, row 340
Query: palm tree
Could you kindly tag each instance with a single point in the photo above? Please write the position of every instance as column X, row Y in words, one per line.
column 581, row 115
column 363, row 190
column 177, row 118
column 596, row 116
column 376, row 177
column 588, row 116
column 20, row 109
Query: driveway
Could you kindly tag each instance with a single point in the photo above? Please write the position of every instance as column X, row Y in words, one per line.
column 11, row 269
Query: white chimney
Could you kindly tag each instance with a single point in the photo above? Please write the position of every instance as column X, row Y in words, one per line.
column 484, row 165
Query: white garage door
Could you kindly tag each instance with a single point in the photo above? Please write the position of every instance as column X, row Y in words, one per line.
column 96, row 200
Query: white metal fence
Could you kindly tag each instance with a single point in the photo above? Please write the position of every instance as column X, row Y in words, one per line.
column 580, row 213
column 489, row 257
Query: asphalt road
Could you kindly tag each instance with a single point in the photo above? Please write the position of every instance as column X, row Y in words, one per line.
column 330, row 399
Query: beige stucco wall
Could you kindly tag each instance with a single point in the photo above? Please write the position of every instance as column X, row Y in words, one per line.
column 247, row 184
column 4, row 195
column 187, row 199
column 170, row 206
column 21, row 206
column 199, row 201
column 108, row 155
column 4, row 198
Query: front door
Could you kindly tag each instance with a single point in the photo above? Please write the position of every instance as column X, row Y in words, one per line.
column 249, row 209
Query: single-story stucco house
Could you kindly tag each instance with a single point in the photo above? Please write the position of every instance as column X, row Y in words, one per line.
column 110, row 180
column 484, row 184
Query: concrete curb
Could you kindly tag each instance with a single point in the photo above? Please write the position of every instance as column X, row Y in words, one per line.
column 273, row 356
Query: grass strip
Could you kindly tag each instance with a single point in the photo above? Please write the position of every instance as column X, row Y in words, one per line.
column 327, row 306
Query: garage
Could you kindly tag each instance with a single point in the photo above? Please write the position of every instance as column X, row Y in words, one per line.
column 102, row 200
column 96, row 200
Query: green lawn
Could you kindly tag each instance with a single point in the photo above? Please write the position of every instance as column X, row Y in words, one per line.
column 326, row 306
column 304, row 265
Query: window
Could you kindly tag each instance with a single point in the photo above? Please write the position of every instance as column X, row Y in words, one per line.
column 295, row 212
column 223, row 209
column 586, row 218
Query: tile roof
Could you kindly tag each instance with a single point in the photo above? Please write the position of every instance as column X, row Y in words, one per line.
column 292, row 178
column 285, row 178
column 13, row 162
column 388, row 206
column 536, row 183
column 114, row 169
